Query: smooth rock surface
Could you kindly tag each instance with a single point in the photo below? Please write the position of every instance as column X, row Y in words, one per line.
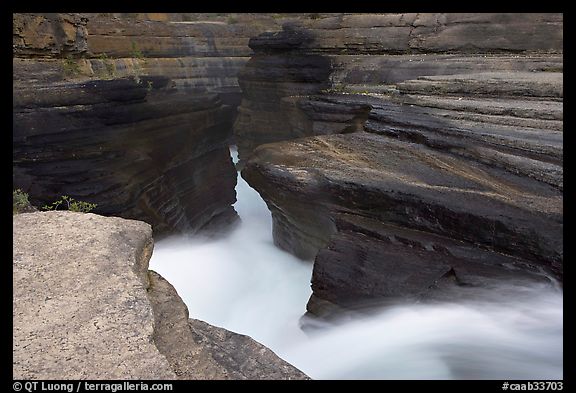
column 80, row 308
column 463, row 213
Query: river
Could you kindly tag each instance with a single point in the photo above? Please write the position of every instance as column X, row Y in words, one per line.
column 243, row 283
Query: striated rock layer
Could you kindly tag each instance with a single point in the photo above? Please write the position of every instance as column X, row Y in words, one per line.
column 199, row 51
column 138, row 150
column 458, row 182
column 85, row 306
column 97, row 117
column 371, row 52
column 512, row 121
column 389, row 219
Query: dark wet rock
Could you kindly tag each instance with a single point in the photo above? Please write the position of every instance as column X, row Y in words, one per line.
column 368, row 263
column 137, row 150
column 281, row 85
column 428, row 213
column 265, row 81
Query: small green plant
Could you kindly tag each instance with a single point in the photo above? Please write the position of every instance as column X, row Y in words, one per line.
column 149, row 87
column 71, row 204
column 20, row 202
column 231, row 20
column 337, row 88
column 314, row 16
column 71, row 66
column 136, row 52
column 138, row 57
column 109, row 65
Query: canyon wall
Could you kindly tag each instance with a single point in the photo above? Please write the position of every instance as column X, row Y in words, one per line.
column 132, row 114
column 409, row 155
column 371, row 53
column 448, row 177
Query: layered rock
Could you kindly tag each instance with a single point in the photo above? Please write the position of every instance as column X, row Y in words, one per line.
column 370, row 52
column 85, row 306
column 272, row 74
column 98, row 129
column 138, row 150
column 49, row 34
column 459, row 185
column 386, row 218
column 202, row 51
column 512, row 121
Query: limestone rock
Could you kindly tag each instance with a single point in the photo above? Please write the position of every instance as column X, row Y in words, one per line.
column 499, row 84
column 469, row 124
column 80, row 308
column 85, row 306
column 522, row 135
column 437, row 33
column 386, row 69
column 265, row 81
column 369, row 51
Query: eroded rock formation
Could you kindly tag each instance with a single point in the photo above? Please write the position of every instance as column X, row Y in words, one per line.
column 97, row 117
column 85, row 306
column 372, row 52
column 458, row 182
column 384, row 218
column 138, row 150
column 198, row 350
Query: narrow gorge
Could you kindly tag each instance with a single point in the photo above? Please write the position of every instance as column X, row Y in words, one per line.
column 288, row 196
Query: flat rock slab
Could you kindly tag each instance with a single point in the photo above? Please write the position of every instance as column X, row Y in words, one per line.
column 80, row 308
column 87, row 307
column 533, row 84
column 307, row 180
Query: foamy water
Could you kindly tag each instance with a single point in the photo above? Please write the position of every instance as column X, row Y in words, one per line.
column 243, row 283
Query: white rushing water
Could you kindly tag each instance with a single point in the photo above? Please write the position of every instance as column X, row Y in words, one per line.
column 243, row 283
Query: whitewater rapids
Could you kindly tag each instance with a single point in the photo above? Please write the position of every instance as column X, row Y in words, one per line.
column 243, row 283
